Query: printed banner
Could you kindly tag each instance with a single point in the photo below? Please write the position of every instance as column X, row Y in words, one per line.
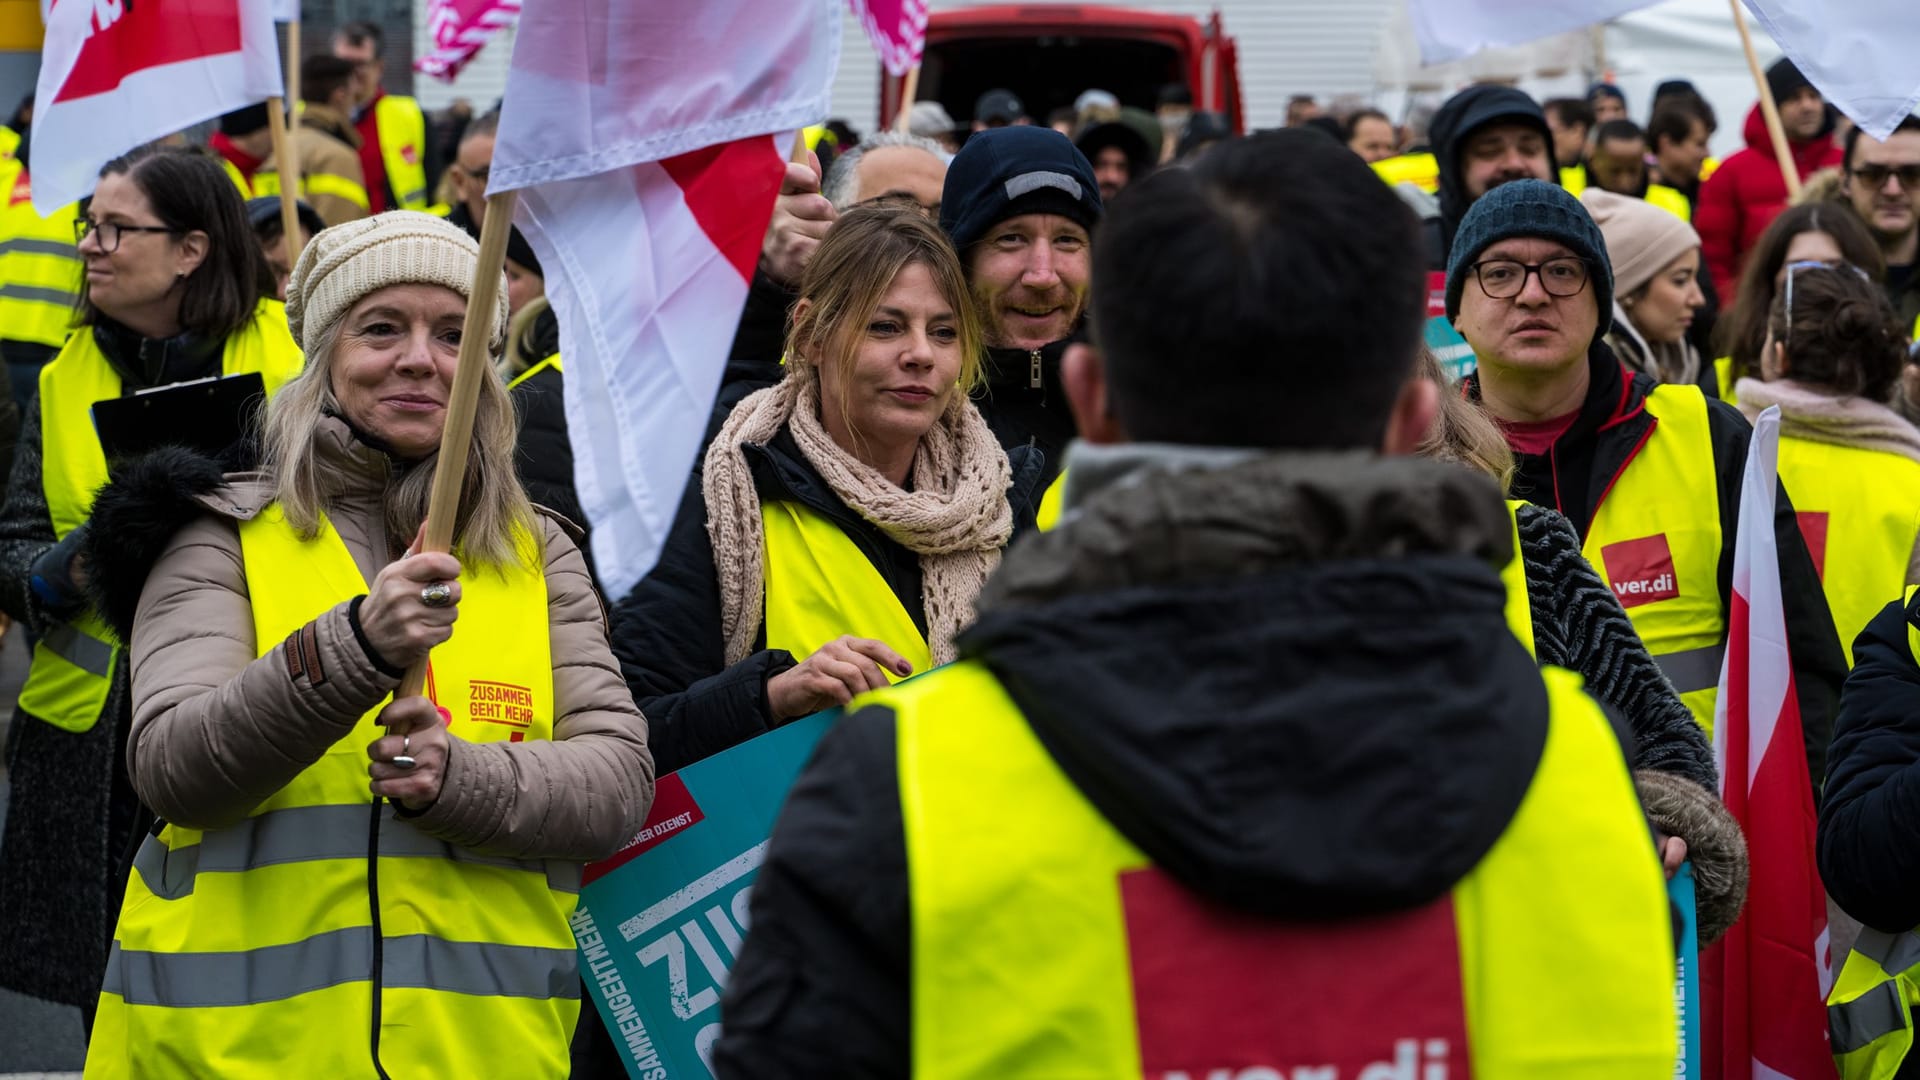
column 897, row 28
column 1686, row 986
column 1455, row 355
column 658, row 934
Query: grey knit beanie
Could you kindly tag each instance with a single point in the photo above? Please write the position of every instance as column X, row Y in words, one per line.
column 1531, row 208
column 402, row 247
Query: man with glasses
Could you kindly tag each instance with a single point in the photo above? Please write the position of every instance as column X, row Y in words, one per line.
column 1883, row 185
column 472, row 164
column 393, row 130
column 1649, row 474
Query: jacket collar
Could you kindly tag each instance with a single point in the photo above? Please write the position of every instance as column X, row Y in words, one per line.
column 336, row 124
column 1011, row 370
column 143, row 361
column 1613, row 395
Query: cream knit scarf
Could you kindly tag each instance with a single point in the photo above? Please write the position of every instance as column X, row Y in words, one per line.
column 956, row 518
column 1819, row 415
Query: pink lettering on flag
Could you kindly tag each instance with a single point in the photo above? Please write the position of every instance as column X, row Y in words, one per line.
column 147, row 35
column 459, row 30
column 897, row 28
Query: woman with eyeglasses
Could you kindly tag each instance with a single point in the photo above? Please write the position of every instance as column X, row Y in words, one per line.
column 1656, row 286
column 175, row 290
column 1832, row 357
column 1812, row 232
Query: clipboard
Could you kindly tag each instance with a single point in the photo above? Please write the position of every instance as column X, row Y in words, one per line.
column 208, row 415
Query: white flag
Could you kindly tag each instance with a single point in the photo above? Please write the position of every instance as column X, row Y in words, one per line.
column 1862, row 55
column 1455, row 29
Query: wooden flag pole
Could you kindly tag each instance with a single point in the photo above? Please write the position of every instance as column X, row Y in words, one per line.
column 798, row 155
column 456, row 438
column 1768, row 107
column 288, row 166
column 909, row 89
column 293, row 60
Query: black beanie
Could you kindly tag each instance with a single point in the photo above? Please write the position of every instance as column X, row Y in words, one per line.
column 244, row 121
column 1005, row 172
column 1785, row 80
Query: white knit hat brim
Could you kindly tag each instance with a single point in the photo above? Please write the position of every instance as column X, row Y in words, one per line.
column 345, row 263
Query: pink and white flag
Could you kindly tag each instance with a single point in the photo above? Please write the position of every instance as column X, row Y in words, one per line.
column 1859, row 55
column 1765, row 983
column 460, row 29
column 897, row 28
column 648, row 142
column 115, row 75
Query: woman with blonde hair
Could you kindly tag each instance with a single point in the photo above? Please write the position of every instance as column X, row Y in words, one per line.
column 843, row 519
column 349, row 883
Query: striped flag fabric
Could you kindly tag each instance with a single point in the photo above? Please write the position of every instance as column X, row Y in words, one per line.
column 897, row 28
column 460, row 29
column 1859, row 55
column 1766, row 981
column 115, row 75
column 647, row 142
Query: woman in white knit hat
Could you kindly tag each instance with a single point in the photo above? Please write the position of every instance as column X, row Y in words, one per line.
column 843, row 520
column 1656, row 286
column 348, row 883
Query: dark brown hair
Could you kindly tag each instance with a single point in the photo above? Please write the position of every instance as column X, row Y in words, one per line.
column 1743, row 330
column 1845, row 336
column 189, row 192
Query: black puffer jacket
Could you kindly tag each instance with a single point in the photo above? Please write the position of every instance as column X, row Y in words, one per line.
column 1168, row 651
column 667, row 632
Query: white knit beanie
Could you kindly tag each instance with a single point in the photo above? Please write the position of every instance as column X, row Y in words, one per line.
column 401, row 247
column 1641, row 237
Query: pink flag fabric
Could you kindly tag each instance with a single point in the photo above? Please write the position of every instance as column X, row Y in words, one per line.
column 897, row 28
column 115, row 75
column 1859, row 54
column 460, row 29
column 1765, row 983
column 647, row 142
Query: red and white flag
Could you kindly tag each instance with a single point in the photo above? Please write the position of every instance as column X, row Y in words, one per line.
column 460, row 29
column 1765, row 983
column 1455, row 29
column 648, row 142
column 897, row 28
column 114, row 75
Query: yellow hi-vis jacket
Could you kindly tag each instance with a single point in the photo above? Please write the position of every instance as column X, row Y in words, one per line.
column 403, row 149
column 820, row 586
column 1045, row 944
column 1421, row 170
column 40, row 267
column 281, row 944
column 1514, row 577
column 1655, row 540
column 1672, row 200
column 1859, row 511
column 72, row 665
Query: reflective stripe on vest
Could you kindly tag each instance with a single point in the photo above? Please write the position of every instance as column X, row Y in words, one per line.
column 1870, row 1012
column 1514, row 577
column 67, row 684
column 403, row 147
column 1050, row 503
column 1026, row 932
column 1857, row 512
column 244, row 948
column 1655, row 539
column 314, row 185
column 821, row 586
column 550, row 362
column 40, row 267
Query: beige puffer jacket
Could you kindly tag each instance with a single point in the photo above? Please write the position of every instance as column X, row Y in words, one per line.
column 216, row 731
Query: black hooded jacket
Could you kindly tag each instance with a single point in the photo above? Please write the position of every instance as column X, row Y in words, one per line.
column 1582, row 465
column 1255, row 674
column 1462, row 115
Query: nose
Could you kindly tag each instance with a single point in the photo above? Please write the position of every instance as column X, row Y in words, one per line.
column 1039, row 272
column 1513, row 161
column 1694, row 298
column 1893, row 184
column 416, row 358
column 919, row 350
column 90, row 243
column 1533, row 292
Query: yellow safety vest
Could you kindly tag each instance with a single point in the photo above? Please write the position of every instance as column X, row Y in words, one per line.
column 1420, row 170
column 1870, row 1012
column 1048, row 515
column 403, row 150
column 9, row 141
column 248, row 951
column 239, row 178
column 314, row 185
column 72, row 664
column 1514, row 577
column 1574, row 179
column 550, row 362
column 40, row 267
column 1670, row 200
column 821, row 586
column 1860, row 512
column 1723, row 378
column 1559, row 940
column 1656, row 539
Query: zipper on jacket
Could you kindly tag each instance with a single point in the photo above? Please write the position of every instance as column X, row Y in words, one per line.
column 1034, row 380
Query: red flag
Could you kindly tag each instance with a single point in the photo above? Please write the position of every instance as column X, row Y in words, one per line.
column 460, row 28
column 115, row 75
column 1765, row 983
column 897, row 28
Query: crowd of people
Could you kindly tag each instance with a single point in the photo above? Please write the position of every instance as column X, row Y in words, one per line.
column 1243, row 639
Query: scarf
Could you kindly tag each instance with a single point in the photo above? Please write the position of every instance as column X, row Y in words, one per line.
column 956, row 518
column 1668, row 362
column 1817, row 415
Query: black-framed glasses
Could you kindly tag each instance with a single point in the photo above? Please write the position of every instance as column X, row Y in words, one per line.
column 1504, row 279
column 108, row 232
column 1794, row 269
column 1875, row 176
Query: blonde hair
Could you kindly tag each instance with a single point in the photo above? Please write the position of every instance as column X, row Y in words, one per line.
column 522, row 350
column 850, row 274
column 1462, row 432
column 495, row 526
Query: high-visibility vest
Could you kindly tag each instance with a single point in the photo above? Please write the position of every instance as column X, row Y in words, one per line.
column 40, row 267
column 1045, row 944
column 239, row 178
column 1051, row 503
column 67, row 683
column 1859, row 511
column 250, row 950
column 550, row 362
column 1574, row 179
column 9, row 141
column 1723, row 378
column 821, row 586
column 1421, row 170
column 314, row 185
column 1514, row 577
column 1656, row 540
column 1870, row 1011
column 403, row 150
column 1670, row 200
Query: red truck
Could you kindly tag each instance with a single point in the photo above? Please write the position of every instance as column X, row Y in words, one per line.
column 1048, row 53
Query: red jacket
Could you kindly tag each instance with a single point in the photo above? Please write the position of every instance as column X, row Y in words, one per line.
column 1746, row 193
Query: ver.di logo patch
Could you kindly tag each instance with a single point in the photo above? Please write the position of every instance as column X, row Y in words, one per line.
column 1641, row 571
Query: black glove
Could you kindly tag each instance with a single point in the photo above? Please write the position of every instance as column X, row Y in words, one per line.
column 51, row 578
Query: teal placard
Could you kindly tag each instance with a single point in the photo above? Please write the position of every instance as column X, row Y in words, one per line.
column 1455, row 355
column 1686, row 985
column 660, row 924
